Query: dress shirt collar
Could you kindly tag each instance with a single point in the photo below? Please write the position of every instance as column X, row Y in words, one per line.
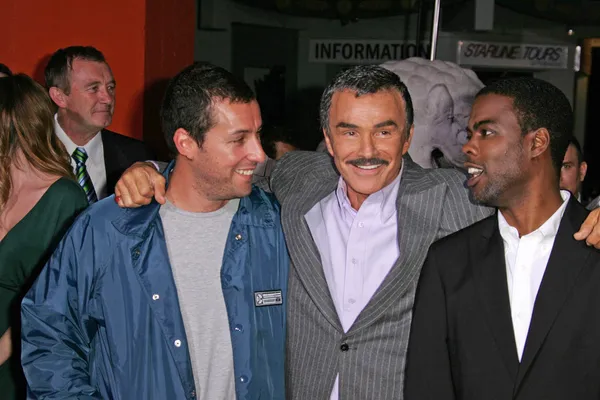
column 93, row 148
column 549, row 229
column 385, row 198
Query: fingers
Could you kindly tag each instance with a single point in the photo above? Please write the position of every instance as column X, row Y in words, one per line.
column 590, row 229
column 136, row 186
column 158, row 184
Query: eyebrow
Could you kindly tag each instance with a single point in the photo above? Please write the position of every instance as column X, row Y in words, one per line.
column 346, row 125
column 94, row 83
column 244, row 131
column 478, row 124
column 383, row 124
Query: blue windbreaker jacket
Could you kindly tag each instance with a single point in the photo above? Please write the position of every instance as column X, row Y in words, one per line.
column 102, row 321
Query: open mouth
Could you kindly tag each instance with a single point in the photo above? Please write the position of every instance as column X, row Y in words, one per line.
column 245, row 172
column 474, row 175
column 369, row 167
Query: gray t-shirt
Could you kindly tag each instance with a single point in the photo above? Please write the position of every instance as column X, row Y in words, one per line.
column 196, row 242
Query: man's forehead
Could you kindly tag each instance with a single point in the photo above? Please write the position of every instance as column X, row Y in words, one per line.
column 383, row 101
column 232, row 111
column 355, row 95
column 88, row 69
column 487, row 107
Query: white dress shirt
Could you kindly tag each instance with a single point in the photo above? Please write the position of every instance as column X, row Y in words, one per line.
column 526, row 260
column 95, row 166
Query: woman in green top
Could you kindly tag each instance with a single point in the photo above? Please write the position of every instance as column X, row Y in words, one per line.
column 39, row 200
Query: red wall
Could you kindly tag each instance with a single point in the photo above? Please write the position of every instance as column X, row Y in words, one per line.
column 139, row 54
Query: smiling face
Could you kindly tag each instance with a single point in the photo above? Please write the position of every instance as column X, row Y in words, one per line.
column 496, row 158
column 90, row 103
column 224, row 163
column 367, row 138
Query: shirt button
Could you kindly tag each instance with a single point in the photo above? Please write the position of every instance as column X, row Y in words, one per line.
column 177, row 343
column 238, row 328
column 351, row 301
column 344, row 347
column 354, row 261
column 361, row 225
column 243, row 379
column 155, row 297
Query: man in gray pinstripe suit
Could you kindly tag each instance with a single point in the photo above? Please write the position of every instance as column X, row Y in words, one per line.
column 357, row 243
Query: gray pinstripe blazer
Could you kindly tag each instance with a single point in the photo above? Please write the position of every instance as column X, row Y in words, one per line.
column 370, row 357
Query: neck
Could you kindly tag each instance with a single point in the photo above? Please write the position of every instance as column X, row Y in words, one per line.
column 23, row 175
column 79, row 135
column 356, row 199
column 185, row 194
column 537, row 204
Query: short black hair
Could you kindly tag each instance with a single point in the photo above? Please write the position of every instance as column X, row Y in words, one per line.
column 5, row 70
column 61, row 63
column 573, row 141
column 365, row 79
column 538, row 104
column 290, row 134
column 189, row 98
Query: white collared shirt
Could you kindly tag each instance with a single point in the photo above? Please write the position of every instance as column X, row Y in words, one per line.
column 95, row 166
column 526, row 260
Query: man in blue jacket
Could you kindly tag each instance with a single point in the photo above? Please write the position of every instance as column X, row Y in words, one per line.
column 180, row 301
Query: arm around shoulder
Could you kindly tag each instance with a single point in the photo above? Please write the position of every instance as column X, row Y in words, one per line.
column 459, row 210
column 297, row 167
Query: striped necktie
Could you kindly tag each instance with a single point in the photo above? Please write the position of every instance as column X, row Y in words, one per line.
column 80, row 156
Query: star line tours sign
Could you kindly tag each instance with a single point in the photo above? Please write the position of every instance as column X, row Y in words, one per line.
column 512, row 55
column 364, row 51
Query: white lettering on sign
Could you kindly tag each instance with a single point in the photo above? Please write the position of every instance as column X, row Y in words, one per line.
column 512, row 55
column 364, row 51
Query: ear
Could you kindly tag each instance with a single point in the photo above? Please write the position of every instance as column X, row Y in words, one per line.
column 540, row 142
column 406, row 145
column 328, row 143
column 582, row 171
column 58, row 97
column 186, row 145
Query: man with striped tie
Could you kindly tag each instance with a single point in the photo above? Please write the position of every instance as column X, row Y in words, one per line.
column 82, row 85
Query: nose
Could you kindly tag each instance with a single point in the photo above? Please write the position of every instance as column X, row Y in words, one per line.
column 367, row 146
column 470, row 148
column 255, row 150
column 106, row 96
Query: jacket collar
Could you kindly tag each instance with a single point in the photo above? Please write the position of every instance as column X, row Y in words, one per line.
column 255, row 209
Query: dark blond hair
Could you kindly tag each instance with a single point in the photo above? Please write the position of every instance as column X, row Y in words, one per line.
column 27, row 124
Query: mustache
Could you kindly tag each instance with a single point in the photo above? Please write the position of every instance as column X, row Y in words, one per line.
column 361, row 162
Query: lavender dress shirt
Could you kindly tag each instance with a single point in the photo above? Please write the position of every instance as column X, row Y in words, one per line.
column 357, row 248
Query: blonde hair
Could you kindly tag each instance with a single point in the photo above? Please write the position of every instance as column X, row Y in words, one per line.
column 27, row 125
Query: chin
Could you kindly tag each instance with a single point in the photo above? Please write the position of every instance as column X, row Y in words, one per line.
column 243, row 192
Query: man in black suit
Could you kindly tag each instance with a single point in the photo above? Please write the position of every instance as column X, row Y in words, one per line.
column 508, row 308
column 82, row 85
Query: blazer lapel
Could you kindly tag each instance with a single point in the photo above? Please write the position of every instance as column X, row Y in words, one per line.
column 303, row 250
column 419, row 206
column 113, row 161
column 489, row 274
column 567, row 260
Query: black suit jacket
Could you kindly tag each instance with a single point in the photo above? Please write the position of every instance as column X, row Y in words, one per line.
column 462, row 342
column 120, row 152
